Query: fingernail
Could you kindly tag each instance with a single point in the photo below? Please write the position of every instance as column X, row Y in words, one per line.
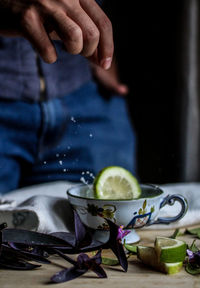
column 106, row 63
column 123, row 89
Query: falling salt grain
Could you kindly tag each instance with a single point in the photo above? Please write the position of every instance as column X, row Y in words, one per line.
column 57, row 155
column 45, row 162
column 73, row 119
column 82, row 179
column 92, row 175
column 61, row 162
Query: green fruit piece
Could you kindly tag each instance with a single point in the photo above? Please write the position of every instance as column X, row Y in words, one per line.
column 172, row 268
column 148, row 256
column 109, row 261
column 116, row 183
column 131, row 248
column 170, row 250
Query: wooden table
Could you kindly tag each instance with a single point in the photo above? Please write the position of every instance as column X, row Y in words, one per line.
column 138, row 275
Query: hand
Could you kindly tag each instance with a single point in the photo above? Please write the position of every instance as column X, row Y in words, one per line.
column 110, row 79
column 81, row 25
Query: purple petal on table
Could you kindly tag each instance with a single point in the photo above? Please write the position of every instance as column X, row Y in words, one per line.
column 115, row 245
column 82, row 259
column 95, row 245
column 17, row 264
column 82, row 234
column 82, row 265
column 97, row 258
column 64, row 256
column 67, row 274
column 66, row 236
column 31, row 238
column 33, row 254
column 99, row 271
column 63, row 249
column 96, row 261
column 93, row 263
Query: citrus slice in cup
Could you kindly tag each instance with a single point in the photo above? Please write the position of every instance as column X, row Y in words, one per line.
column 115, row 182
column 170, row 250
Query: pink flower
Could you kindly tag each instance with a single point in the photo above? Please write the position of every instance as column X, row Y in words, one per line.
column 122, row 233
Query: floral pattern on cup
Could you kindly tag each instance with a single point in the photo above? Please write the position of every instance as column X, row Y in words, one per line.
column 142, row 217
column 108, row 211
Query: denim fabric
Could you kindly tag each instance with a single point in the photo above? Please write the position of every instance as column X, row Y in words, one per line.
column 21, row 68
column 64, row 138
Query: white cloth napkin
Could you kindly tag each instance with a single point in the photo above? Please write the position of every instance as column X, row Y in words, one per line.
column 45, row 207
column 191, row 192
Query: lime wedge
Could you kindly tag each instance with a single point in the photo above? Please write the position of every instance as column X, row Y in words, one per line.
column 170, row 250
column 148, row 256
column 115, row 182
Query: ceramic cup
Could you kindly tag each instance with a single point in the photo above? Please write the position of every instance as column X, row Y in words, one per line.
column 132, row 214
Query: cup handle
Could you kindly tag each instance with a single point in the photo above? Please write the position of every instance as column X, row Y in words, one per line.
column 170, row 200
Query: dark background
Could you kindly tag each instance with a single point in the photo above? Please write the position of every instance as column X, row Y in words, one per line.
column 147, row 46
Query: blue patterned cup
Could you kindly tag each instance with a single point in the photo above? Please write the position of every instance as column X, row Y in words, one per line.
column 131, row 214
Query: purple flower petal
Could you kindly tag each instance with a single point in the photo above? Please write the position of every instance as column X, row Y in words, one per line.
column 83, row 261
column 16, row 264
column 190, row 254
column 99, row 271
column 116, row 246
column 67, row 274
column 66, row 236
column 97, row 258
column 67, row 258
column 122, row 233
column 31, row 238
column 83, row 237
column 81, row 266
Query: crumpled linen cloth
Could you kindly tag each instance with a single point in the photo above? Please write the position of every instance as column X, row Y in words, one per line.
column 45, row 208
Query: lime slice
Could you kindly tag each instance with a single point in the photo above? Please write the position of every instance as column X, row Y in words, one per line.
column 170, row 250
column 115, row 182
column 148, row 256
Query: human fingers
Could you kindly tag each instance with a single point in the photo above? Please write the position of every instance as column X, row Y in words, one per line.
column 34, row 31
column 68, row 31
column 105, row 45
column 109, row 80
column 90, row 32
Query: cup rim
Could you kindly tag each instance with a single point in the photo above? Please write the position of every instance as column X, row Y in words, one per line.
column 161, row 192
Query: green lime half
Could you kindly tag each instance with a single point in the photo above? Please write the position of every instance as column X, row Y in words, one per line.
column 115, row 182
column 170, row 250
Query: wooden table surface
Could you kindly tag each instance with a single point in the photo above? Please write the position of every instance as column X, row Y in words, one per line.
column 138, row 275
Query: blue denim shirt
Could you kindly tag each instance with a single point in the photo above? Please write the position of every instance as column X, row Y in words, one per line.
column 21, row 69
